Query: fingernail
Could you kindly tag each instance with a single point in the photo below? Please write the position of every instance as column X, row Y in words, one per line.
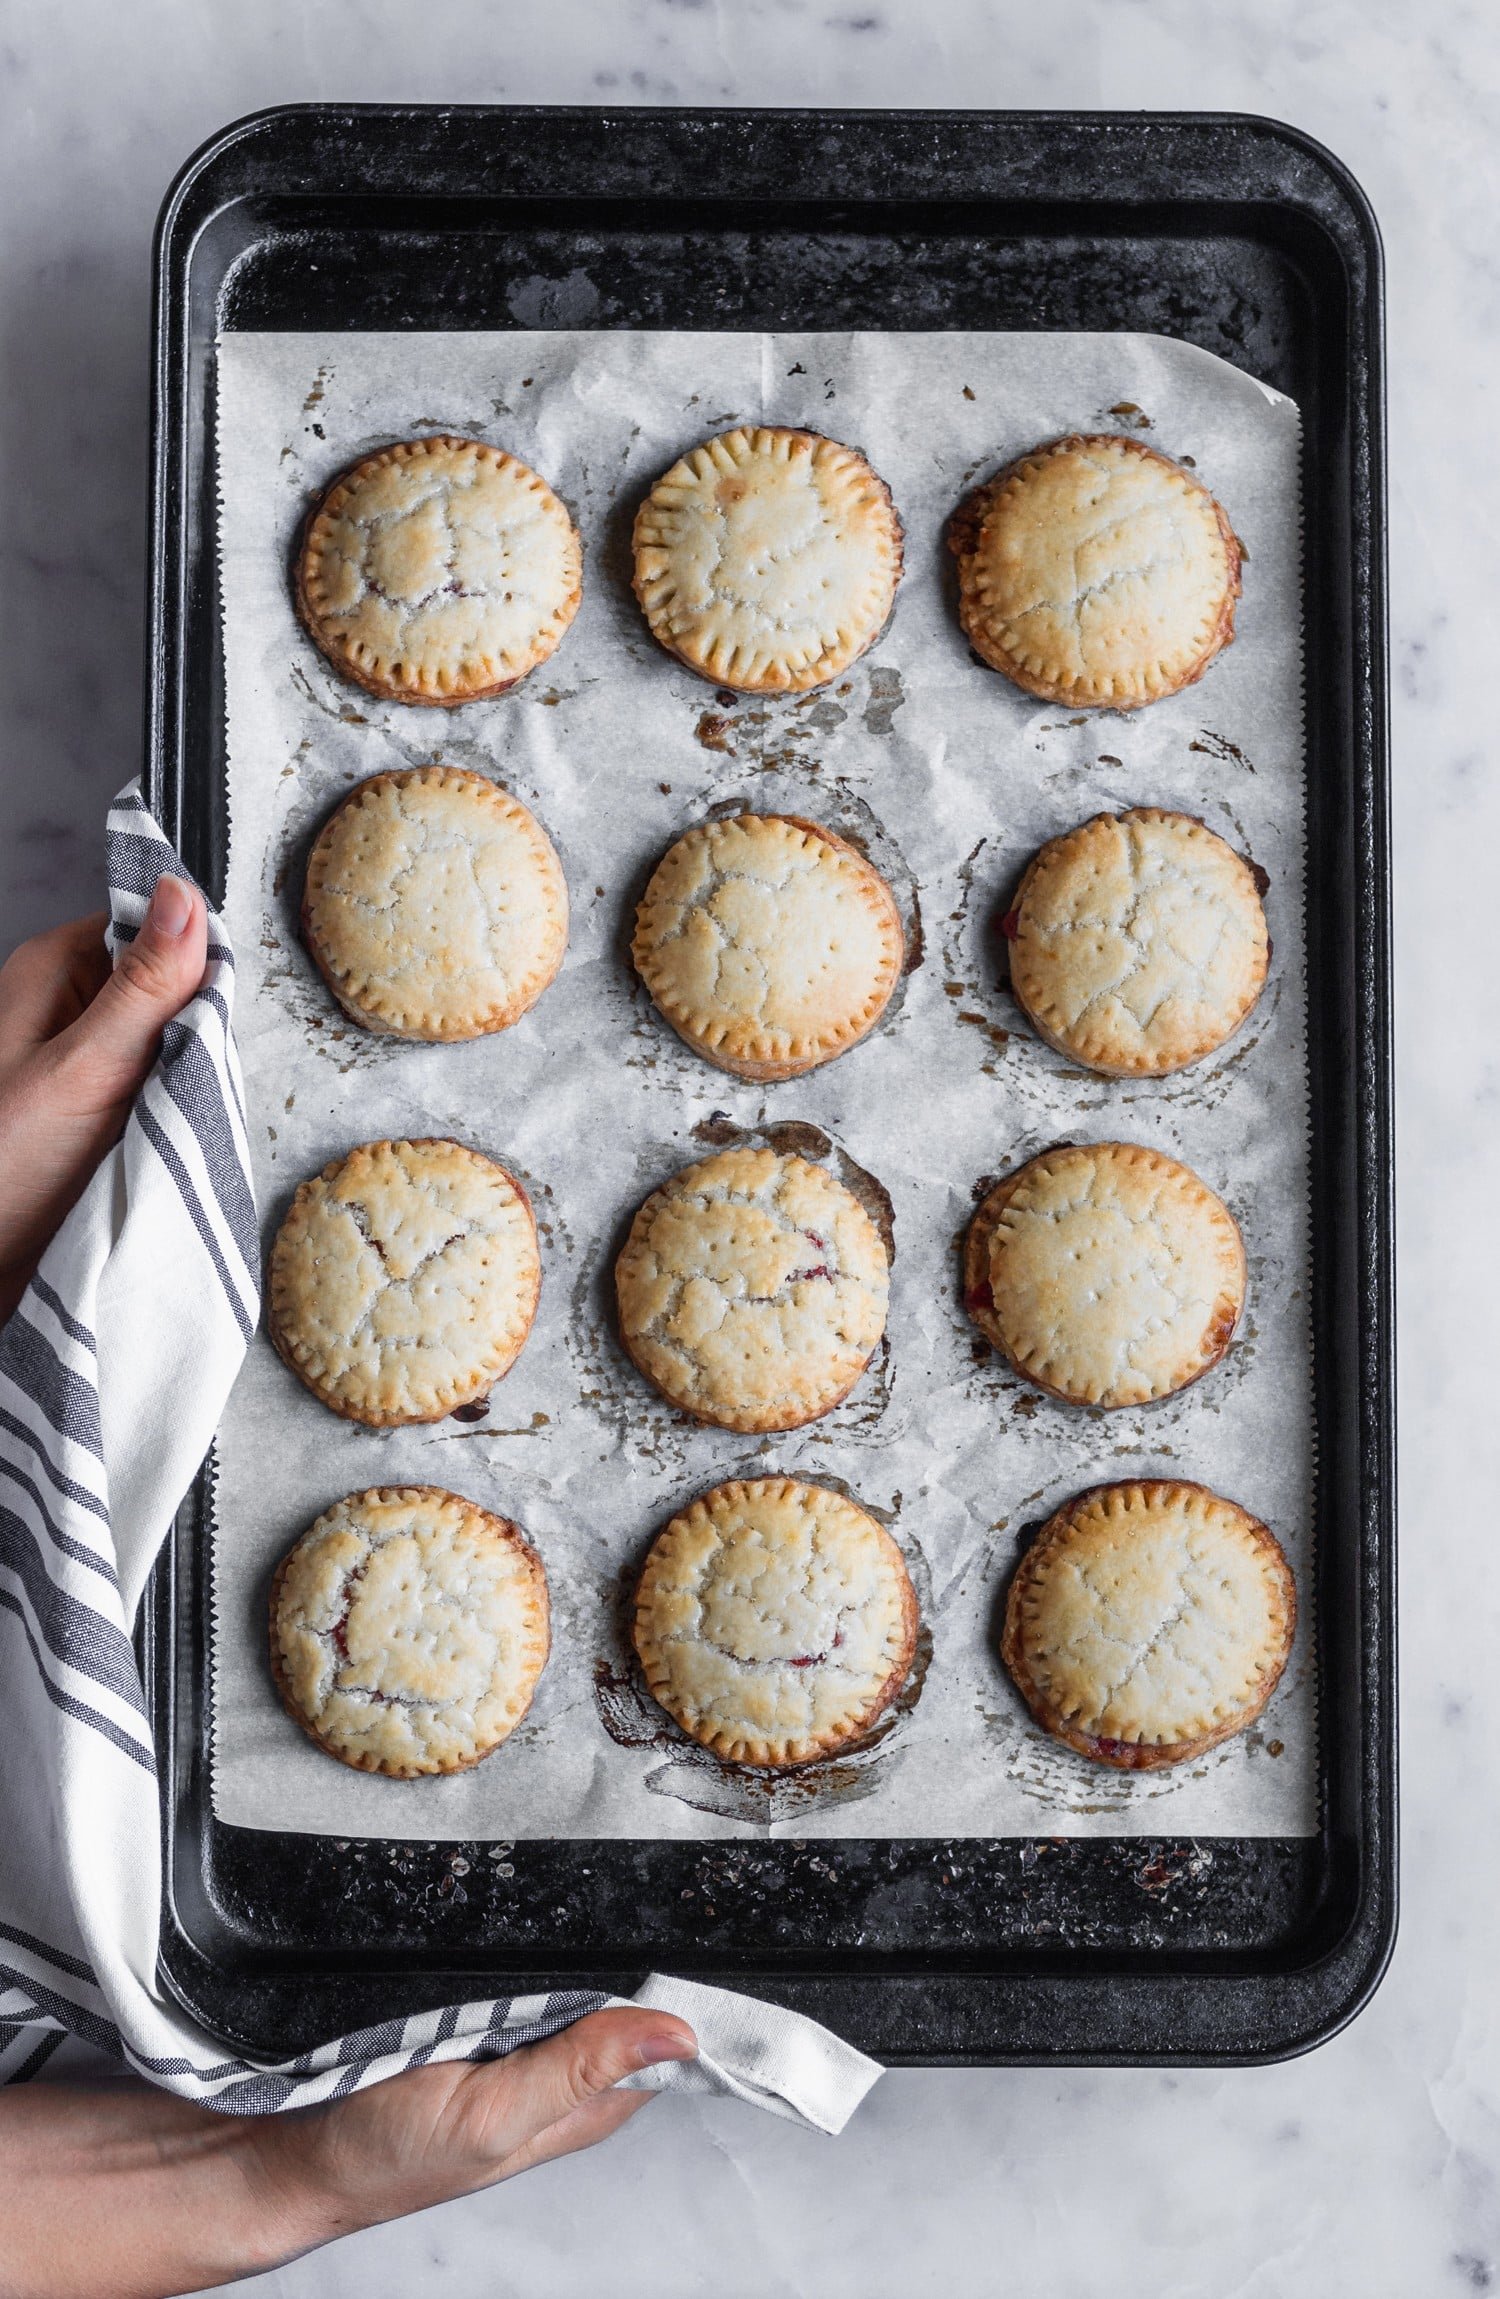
column 171, row 908
column 657, row 2048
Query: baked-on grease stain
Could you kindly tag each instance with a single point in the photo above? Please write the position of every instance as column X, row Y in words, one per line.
column 713, row 731
column 717, row 1131
column 1219, row 746
column 795, row 1137
column 887, row 694
column 344, row 712
column 758, row 1794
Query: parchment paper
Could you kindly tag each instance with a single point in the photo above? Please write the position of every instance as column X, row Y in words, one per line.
column 952, row 778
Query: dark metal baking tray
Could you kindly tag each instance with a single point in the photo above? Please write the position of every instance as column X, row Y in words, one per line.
column 1237, row 234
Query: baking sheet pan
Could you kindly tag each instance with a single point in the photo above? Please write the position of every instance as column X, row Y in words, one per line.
column 1235, row 234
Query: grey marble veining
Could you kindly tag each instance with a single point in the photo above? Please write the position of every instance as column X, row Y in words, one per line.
column 1370, row 2168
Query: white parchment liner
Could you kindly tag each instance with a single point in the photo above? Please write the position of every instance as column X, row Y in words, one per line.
column 952, row 778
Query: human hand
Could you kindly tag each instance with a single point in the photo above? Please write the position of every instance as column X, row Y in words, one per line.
column 76, row 1044
column 134, row 2194
column 443, row 2131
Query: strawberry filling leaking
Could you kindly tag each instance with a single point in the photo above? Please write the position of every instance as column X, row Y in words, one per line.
column 338, row 1635
column 979, row 1296
column 812, row 1659
column 1010, row 925
column 1126, row 1752
column 819, row 1245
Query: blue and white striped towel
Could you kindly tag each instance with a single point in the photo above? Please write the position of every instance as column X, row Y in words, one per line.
column 113, row 1373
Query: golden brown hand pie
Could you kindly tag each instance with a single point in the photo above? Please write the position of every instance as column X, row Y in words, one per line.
column 435, row 905
column 775, row 1621
column 767, row 560
column 1138, row 942
column 404, row 1280
column 1148, row 1622
column 770, row 945
column 1106, row 1273
column 408, row 1630
column 752, row 1290
column 439, row 571
column 1095, row 572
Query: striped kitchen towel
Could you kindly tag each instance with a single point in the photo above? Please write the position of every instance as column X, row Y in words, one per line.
column 113, row 1373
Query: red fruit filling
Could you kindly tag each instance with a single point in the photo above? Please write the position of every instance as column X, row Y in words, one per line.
column 1115, row 1750
column 812, row 1659
column 979, row 1296
column 1010, row 925
column 819, row 1245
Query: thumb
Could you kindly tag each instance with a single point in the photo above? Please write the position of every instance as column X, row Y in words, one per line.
column 590, row 2057
column 116, row 1039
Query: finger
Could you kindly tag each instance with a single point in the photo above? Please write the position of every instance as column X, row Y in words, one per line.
column 508, row 2102
column 112, row 1045
column 46, row 983
column 597, row 2119
column 88, row 962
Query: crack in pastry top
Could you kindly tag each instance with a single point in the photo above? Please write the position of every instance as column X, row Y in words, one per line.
column 436, row 906
column 774, row 1617
column 1151, row 1612
column 1109, row 1274
column 404, row 1279
column 768, row 558
column 765, row 938
column 409, row 1629
column 752, row 1289
column 1122, row 606
column 1139, row 941
column 440, row 567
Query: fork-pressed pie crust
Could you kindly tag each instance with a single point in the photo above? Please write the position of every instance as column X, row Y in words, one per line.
column 404, row 1280
column 1094, row 571
column 408, row 1630
column 435, row 905
column 752, row 1290
column 769, row 943
column 767, row 559
column 1107, row 1273
column 1138, row 942
column 1148, row 1622
column 439, row 570
column 774, row 1621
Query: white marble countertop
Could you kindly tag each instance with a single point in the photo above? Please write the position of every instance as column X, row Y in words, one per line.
column 1371, row 2168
